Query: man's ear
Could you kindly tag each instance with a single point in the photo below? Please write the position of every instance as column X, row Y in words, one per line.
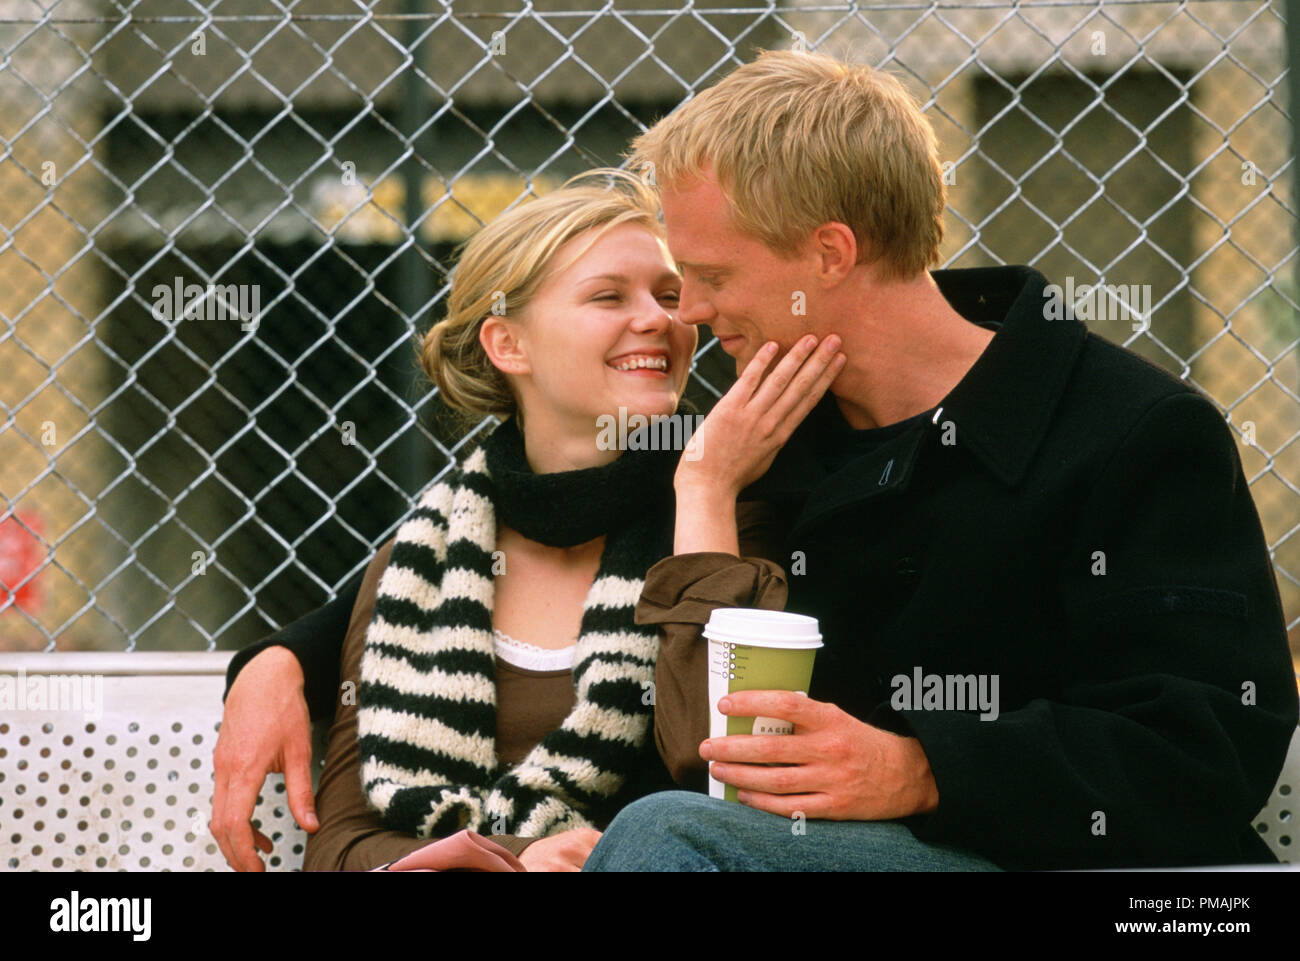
column 500, row 340
column 836, row 252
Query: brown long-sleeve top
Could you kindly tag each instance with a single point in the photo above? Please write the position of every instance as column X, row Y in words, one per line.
column 679, row 594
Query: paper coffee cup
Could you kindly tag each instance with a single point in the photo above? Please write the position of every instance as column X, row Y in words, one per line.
column 756, row 650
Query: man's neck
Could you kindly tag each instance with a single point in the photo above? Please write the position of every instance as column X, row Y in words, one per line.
column 907, row 349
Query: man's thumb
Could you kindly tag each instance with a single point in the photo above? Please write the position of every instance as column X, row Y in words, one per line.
column 297, row 784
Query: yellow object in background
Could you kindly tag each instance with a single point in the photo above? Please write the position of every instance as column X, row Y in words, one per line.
column 357, row 213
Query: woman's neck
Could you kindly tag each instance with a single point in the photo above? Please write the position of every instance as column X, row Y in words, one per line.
column 550, row 449
column 586, row 554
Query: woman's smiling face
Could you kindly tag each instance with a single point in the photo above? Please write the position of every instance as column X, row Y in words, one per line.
column 602, row 333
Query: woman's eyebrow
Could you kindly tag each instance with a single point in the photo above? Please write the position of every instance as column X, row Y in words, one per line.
column 622, row 278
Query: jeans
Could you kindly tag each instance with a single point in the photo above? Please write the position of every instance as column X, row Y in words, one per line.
column 683, row 831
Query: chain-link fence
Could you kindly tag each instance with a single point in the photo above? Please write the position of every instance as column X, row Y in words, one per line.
column 184, row 469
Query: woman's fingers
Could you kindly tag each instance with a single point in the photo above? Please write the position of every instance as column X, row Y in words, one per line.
column 742, row 433
column 782, row 374
column 806, row 390
column 560, row 852
column 750, row 377
column 795, row 416
column 794, row 377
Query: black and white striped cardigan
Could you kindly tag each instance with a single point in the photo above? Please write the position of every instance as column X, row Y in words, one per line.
column 427, row 707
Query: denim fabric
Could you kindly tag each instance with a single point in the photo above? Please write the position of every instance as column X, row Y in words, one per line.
column 682, row 831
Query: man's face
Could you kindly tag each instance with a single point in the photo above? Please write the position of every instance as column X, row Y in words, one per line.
column 732, row 282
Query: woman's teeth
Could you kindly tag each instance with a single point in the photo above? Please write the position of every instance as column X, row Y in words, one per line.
column 636, row 363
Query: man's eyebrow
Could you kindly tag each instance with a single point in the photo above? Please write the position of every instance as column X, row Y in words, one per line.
column 688, row 263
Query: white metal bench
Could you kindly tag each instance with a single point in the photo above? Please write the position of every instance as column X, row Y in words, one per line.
column 131, row 788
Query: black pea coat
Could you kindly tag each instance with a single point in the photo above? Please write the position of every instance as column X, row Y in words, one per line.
column 1073, row 521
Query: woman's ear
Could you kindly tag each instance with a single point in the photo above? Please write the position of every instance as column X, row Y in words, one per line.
column 500, row 340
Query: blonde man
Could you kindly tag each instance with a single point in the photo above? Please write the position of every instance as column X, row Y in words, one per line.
column 1053, row 637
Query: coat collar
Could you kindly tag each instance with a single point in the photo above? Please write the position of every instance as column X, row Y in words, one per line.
column 1004, row 405
column 1001, row 409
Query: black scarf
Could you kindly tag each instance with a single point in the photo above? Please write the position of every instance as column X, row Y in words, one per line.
column 567, row 508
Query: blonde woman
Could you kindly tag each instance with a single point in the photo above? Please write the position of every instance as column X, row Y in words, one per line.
column 504, row 685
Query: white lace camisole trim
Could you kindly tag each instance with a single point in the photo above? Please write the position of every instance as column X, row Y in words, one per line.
column 531, row 657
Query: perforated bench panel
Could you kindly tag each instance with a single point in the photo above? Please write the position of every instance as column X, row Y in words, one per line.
column 129, row 790
column 1276, row 823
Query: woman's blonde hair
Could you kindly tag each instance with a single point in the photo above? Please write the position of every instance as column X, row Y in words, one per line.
column 501, row 269
column 799, row 139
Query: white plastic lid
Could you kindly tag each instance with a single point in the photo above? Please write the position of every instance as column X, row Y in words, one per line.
column 758, row 628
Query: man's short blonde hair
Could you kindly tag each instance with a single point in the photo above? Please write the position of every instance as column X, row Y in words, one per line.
column 799, row 139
